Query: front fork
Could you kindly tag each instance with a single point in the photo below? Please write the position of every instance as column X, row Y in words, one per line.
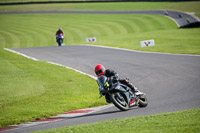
column 134, row 100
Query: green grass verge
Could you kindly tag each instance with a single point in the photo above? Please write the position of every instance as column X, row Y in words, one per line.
column 125, row 31
column 31, row 90
column 176, row 122
column 119, row 30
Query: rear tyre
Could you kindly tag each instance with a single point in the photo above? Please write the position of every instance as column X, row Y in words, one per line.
column 119, row 101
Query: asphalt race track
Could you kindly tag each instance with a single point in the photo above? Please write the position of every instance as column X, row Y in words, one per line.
column 171, row 82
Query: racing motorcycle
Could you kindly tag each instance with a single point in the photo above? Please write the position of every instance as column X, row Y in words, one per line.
column 59, row 39
column 120, row 95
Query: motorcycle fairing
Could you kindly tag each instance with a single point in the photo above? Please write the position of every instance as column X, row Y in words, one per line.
column 122, row 88
column 116, row 87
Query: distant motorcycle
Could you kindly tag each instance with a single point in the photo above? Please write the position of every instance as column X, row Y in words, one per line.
column 121, row 95
column 59, row 39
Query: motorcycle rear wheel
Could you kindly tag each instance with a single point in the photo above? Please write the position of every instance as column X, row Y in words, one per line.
column 119, row 101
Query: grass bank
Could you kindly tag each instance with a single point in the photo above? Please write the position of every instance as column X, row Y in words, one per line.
column 176, row 122
column 31, row 90
column 25, row 30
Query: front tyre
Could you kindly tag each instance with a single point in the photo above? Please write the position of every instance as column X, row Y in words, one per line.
column 59, row 41
column 119, row 101
column 142, row 101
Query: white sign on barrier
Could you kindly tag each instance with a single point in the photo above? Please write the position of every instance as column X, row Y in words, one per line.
column 147, row 43
column 91, row 39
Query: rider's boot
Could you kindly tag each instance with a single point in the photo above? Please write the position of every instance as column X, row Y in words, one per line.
column 132, row 87
column 107, row 99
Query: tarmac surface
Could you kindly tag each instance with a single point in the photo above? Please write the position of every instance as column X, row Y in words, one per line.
column 171, row 81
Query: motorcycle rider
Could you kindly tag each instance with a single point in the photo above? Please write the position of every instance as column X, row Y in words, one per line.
column 100, row 70
column 60, row 31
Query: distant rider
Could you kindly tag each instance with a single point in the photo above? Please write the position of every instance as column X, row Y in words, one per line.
column 59, row 32
column 100, row 70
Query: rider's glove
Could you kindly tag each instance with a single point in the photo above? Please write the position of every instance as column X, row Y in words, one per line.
column 115, row 78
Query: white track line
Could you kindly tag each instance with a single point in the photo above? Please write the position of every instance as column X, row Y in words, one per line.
column 73, row 69
column 29, row 57
column 83, row 111
column 75, row 113
column 123, row 49
column 21, row 54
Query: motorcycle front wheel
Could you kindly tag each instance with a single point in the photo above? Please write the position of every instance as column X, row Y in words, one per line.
column 142, row 101
column 59, row 41
column 119, row 101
